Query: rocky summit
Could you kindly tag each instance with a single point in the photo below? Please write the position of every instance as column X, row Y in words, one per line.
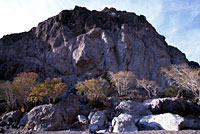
column 77, row 44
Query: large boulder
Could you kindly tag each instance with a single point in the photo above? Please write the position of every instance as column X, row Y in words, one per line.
column 124, row 123
column 166, row 121
column 11, row 118
column 171, row 105
column 53, row 117
column 136, row 109
column 97, row 120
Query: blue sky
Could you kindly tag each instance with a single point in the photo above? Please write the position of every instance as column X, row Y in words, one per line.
column 177, row 20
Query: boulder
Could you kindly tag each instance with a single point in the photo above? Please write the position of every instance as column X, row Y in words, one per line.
column 97, row 120
column 11, row 118
column 124, row 123
column 2, row 130
column 166, row 121
column 3, row 106
column 85, row 109
column 171, row 105
column 136, row 109
column 192, row 122
column 82, row 119
column 53, row 117
column 93, row 127
column 23, row 120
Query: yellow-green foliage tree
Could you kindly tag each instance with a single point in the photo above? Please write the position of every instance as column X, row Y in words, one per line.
column 184, row 77
column 23, row 84
column 95, row 90
column 122, row 81
column 8, row 93
column 49, row 90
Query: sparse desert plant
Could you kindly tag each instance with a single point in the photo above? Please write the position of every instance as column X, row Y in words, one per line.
column 49, row 90
column 2, row 98
column 172, row 91
column 150, row 86
column 23, row 84
column 95, row 90
column 8, row 93
column 122, row 81
column 184, row 77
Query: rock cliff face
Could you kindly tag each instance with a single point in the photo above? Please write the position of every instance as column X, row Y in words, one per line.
column 77, row 44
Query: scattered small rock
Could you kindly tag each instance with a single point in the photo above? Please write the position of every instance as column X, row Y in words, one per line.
column 82, row 119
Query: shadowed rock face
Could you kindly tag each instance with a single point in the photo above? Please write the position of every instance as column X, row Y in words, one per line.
column 77, row 43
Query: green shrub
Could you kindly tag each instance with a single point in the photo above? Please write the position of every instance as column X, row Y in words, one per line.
column 172, row 91
column 95, row 90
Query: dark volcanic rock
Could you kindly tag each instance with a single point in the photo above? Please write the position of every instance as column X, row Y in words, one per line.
column 52, row 117
column 136, row 109
column 79, row 42
column 2, row 107
column 11, row 118
column 172, row 105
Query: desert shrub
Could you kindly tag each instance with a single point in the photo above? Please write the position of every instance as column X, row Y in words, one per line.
column 122, row 81
column 23, row 84
column 95, row 90
column 186, row 78
column 2, row 98
column 94, row 34
column 150, row 86
column 172, row 91
column 8, row 93
column 48, row 91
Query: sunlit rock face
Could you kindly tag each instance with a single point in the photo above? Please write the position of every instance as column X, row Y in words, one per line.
column 77, row 44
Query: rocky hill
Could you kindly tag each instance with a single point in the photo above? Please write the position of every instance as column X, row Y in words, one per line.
column 80, row 44
column 77, row 44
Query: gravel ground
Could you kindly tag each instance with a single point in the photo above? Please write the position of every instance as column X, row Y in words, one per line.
column 86, row 132
column 140, row 132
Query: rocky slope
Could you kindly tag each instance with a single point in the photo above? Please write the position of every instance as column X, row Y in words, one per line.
column 77, row 44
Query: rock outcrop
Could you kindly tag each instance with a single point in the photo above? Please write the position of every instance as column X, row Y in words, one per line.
column 77, row 44
column 172, row 105
column 52, row 117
